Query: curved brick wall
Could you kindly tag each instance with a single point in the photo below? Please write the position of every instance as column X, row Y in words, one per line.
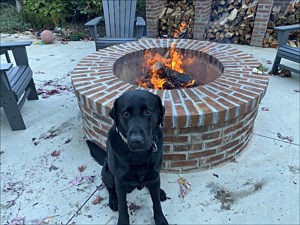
column 204, row 126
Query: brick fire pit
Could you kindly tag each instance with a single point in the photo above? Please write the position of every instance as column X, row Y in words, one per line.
column 204, row 126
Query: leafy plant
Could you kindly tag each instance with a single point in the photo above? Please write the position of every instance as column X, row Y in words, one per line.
column 45, row 13
column 85, row 8
column 10, row 20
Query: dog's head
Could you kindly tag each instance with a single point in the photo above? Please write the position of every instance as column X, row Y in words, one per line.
column 138, row 115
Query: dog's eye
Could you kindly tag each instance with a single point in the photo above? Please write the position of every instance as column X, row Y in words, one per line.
column 147, row 112
column 126, row 114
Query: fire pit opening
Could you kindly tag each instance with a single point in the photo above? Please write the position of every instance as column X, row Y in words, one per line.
column 168, row 68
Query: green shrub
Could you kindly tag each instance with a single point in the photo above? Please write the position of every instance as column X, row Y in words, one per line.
column 85, row 9
column 45, row 13
column 50, row 13
column 10, row 20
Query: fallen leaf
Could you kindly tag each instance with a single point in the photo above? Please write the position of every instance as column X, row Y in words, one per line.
column 81, row 168
column 36, row 143
column 77, row 181
column 97, row 200
column 14, row 187
column 289, row 138
column 184, row 187
column 269, row 62
column 50, row 134
column 52, row 167
column 216, row 175
column 39, row 72
column 265, row 109
column 18, row 221
column 55, row 153
column 285, row 73
column 10, row 204
column 68, row 140
column 133, row 207
column 48, row 220
column 89, row 179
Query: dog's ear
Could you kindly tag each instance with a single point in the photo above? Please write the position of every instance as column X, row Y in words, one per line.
column 113, row 113
column 161, row 110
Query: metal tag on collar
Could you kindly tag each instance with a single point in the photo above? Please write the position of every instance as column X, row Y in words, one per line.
column 154, row 149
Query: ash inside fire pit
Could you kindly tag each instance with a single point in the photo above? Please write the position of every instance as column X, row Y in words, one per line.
column 166, row 68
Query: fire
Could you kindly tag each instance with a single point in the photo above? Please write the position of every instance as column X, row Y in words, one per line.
column 156, row 63
column 174, row 61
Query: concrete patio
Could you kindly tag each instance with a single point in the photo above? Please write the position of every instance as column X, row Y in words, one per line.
column 49, row 177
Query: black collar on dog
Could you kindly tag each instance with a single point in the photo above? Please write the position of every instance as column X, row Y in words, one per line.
column 154, row 146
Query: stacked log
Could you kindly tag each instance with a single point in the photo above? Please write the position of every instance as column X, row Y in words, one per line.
column 232, row 21
column 279, row 18
column 177, row 20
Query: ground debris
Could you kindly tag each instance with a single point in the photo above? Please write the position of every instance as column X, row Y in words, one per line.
column 97, row 200
column 289, row 138
column 228, row 197
column 18, row 221
column 14, row 187
column 184, row 188
column 55, row 88
column 55, row 153
column 81, row 168
column 133, row 207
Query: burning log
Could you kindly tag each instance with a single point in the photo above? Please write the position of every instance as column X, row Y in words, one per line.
column 170, row 79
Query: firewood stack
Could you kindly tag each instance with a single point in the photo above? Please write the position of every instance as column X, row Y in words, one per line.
column 177, row 19
column 277, row 18
column 232, row 21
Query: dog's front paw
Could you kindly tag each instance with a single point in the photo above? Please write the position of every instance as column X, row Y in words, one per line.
column 113, row 203
column 123, row 221
column 162, row 195
column 160, row 220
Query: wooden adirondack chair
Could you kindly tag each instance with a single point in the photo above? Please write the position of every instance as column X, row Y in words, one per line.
column 16, row 82
column 121, row 25
column 285, row 51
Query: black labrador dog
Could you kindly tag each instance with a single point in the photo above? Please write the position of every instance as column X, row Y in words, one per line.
column 134, row 152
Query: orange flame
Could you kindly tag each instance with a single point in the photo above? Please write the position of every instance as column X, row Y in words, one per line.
column 173, row 61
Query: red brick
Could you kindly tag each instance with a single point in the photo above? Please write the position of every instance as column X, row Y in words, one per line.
column 201, row 154
column 213, row 143
column 183, row 163
column 212, row 135
column 174, row 157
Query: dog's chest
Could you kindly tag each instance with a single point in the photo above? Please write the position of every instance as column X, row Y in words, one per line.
column 138, row 175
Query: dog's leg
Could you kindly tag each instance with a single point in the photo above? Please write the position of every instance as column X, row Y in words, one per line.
column 108, row 180
column 122, row 205
column 113, row 199
column 159, row 217
column 163, row 195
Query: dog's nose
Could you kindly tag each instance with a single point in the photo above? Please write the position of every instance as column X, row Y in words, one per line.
column 136, row 141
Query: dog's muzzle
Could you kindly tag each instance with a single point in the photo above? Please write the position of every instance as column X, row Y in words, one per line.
column 154, row 146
